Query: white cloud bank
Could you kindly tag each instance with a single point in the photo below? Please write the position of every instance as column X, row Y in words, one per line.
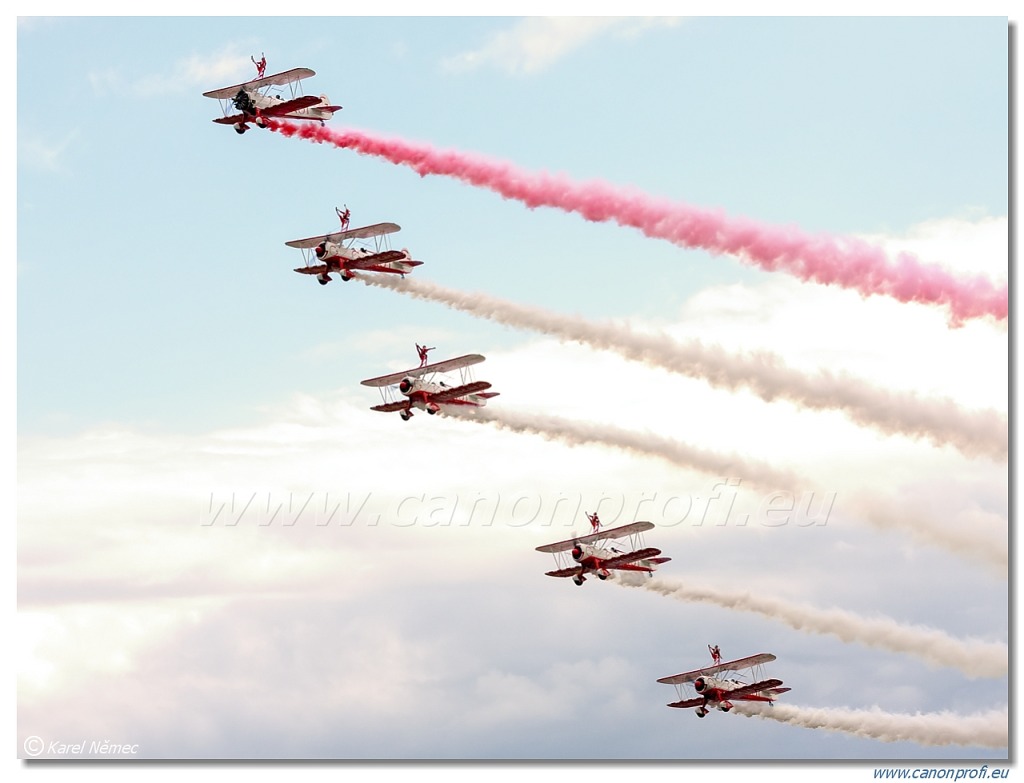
column 536, row 43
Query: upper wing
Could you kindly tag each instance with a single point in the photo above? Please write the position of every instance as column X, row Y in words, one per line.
column 615, row 532
column 459, row 391
column 452, row 364
column 376, row 230
column 623, row 531
column 277, row 79
column 747, row 690
column 415, row 372
column 746, row 663
column 631, row 557
column 392, row 379
column 741, row 663
column 560, row 546
column 679, row 679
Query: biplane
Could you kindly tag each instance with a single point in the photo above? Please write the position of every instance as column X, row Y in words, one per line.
column 719, row 692
column 602, row 560
column 425, row 388
column 352, row 250
column 279, row 95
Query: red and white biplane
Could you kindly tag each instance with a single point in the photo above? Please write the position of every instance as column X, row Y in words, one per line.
column 421, row 387
column 264, row 97
column 344, row 253
column 601, row 560
column 720, row 692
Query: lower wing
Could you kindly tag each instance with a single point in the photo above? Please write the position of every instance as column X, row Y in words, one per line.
column 459, row 391
column 687, row 703
column 285, row 108
column 564, row 572
column 630, row 557
column 391, row 407
column 748, row 690
column 232, row 120
column 375, row 259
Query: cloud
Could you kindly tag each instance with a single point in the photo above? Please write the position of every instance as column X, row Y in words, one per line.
column 964, row 243
column 196, row 71
column 44, row 154
column 362, row 566
column 535, row 43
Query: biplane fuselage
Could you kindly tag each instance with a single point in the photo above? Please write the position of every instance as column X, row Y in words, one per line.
column 256, row 101
column 344, row 260
column 421, row 395
column 338, row 252
column 588, row 557
column 421, row 387
column 592, row 560
column 719, row 692
column 272, row 105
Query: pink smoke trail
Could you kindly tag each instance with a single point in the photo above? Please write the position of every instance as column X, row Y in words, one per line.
column 846, row 262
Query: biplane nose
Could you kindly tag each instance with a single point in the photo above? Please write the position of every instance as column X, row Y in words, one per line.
column 700, row 685
column 321, row 250
column 577, row 553
column 405, row 386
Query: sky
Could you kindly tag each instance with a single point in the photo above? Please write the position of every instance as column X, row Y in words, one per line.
column 222, row 553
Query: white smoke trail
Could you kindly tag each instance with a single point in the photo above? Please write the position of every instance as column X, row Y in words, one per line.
column 979, row 545
column 973, row 657
column 981, row 432
column 981, row 540
column 644, row 443
column 980, row 729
